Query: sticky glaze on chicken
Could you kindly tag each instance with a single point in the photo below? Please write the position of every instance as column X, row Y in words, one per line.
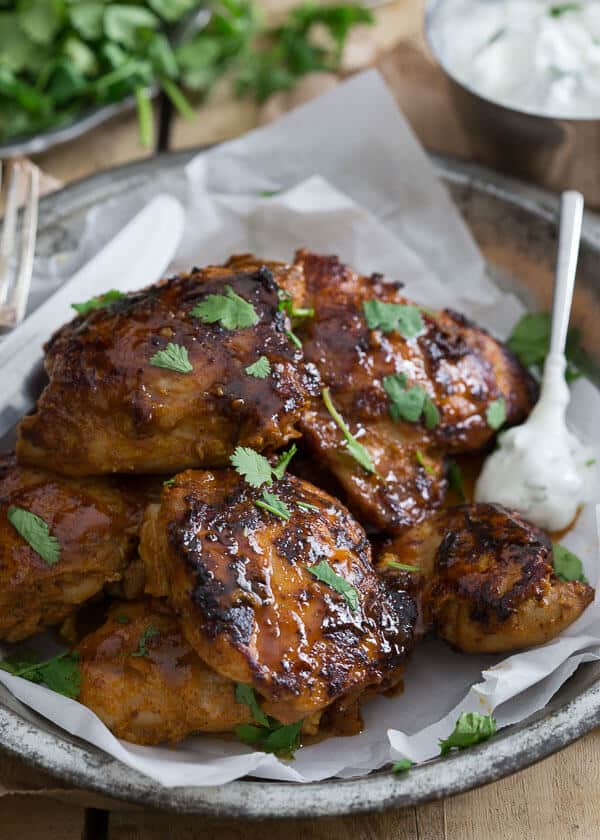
column 462, row 369
column 238, row 578
column 96, row 527
column 486, row 579
column 144, row 681
column 108, row 409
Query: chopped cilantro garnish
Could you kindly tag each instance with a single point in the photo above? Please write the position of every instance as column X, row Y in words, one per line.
column 230, row 310
column 323, row 572
column 421, row 460
column 394, row 317
column 169, row 482
column 151, row 632
column 471, row 728
column 284, row 459
column 495, row 414
column 530, row 341
column 354, row 448
column 402, row 766
column 260, row 369
column 274, row 505
column 410, row 404
column 245, row 695
column 567, row 566
column 456, row 480
column 173, row 357
column 36, row 533
column 60, row 674
column 286, row 304
column 252, row 466
column 268, row 734
column 305, row 506
column 98, row 302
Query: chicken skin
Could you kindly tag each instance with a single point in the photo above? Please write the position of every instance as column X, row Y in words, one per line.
column 96, row 527
column 109, row 406
column 456, row 369
column 145, row 682
column 485, row 579
column 239, row 578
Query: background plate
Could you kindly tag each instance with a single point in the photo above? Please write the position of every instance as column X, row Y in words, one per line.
column 515, row 226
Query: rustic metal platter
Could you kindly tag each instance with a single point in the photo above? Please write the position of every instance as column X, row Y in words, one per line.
column 515, row 226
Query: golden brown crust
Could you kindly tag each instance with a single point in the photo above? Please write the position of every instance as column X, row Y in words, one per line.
column 461, row 368
column 486, row 579
column 96, row 527
column 237, row 576
column 107, row 409
column 165, row 694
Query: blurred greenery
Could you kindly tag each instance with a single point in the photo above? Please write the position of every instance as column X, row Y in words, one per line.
column 60, row 58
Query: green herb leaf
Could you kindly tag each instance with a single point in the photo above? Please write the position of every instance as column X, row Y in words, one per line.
column 561, row 9
column 230, row 310
column 274, row 505
column 286, row 304
column 260, row 369
column 173, row 10
column 567, row 566
column 249, row 734
column 283, row 740
column 36, row 533
column 173, row 357
column 394, row 317
column 283, row 461
column 252, row 466
column 306, row 507
column 245, row 694
column 87, row 19
column 471, row 728
column 403, row 567
column 151, row 632
column 323, row 572
column 530, row 342
column 410, row 404
column 169, row 482
column 122, row 23
column 402, row 766
column 421, row 460
column 495, row 414
column 40, row 19
column 455, row 479
column 294, row 339
column 97, row 302
column 60, row 674
column 354, row 448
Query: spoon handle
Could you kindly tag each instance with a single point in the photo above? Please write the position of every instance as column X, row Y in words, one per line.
column 571, row 215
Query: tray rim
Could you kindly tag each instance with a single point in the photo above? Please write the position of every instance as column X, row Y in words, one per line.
column 514, row 748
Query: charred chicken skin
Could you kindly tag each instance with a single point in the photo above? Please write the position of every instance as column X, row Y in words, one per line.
column 485, row 579
column 145, row 682
column 461, row 369
column 239, row 579
column 109, row 408
column 96, row 527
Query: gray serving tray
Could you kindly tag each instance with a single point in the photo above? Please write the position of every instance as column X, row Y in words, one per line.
column 515, row 226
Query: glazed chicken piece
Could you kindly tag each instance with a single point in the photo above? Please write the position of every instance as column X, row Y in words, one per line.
column 96, row 527
column 145, row 682
column 461, row 369
column 109, row 408
column 485, row 579
column 238, row 577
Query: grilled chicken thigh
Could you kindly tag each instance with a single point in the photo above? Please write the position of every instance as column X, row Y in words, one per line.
column 484, row 578
column 108, row 407
column 455, row 368
column 145, row 682
column 96, row 527
column 239, row 578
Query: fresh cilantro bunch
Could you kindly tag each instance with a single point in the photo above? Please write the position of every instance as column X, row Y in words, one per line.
column 61, row 58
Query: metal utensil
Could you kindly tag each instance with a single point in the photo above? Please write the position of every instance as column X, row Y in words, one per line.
column 14, row 286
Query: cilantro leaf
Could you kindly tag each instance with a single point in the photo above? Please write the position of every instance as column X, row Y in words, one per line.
column 323, row 572
column 421, row 460
column 495, row 414
column 87, row 18
column 173, row 357
column 410, row 404
column 354, row 448
column 98, row 302
column 151, row 632
column 286, row 304
column 283, row 740
column 260, row 369
column 402, row 765
column 36, row 533
column 274, row 505
column 403, row 567
column 39, row 19
column 230, row 310
column 294, row 339
column 60, row 674
column 252, row 466
column 173, row 10
column 122, row 23
column 245, row 695
column 567, row 566
column 283, row 461
column 456, row 480
column 394, row 317
column 530, row 342
column 471, row 728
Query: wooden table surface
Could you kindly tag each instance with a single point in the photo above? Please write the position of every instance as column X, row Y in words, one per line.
column 560, row 797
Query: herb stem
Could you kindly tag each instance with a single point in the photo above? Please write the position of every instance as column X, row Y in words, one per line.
column 177, row 98
column 145, row 117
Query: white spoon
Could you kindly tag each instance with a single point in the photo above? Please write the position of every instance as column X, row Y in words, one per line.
column 537, row 468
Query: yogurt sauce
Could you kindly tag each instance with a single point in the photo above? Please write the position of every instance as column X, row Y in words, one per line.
column 539, row 56
column 540, row 468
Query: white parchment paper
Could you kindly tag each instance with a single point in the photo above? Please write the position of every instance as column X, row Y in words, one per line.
column 351, row 179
